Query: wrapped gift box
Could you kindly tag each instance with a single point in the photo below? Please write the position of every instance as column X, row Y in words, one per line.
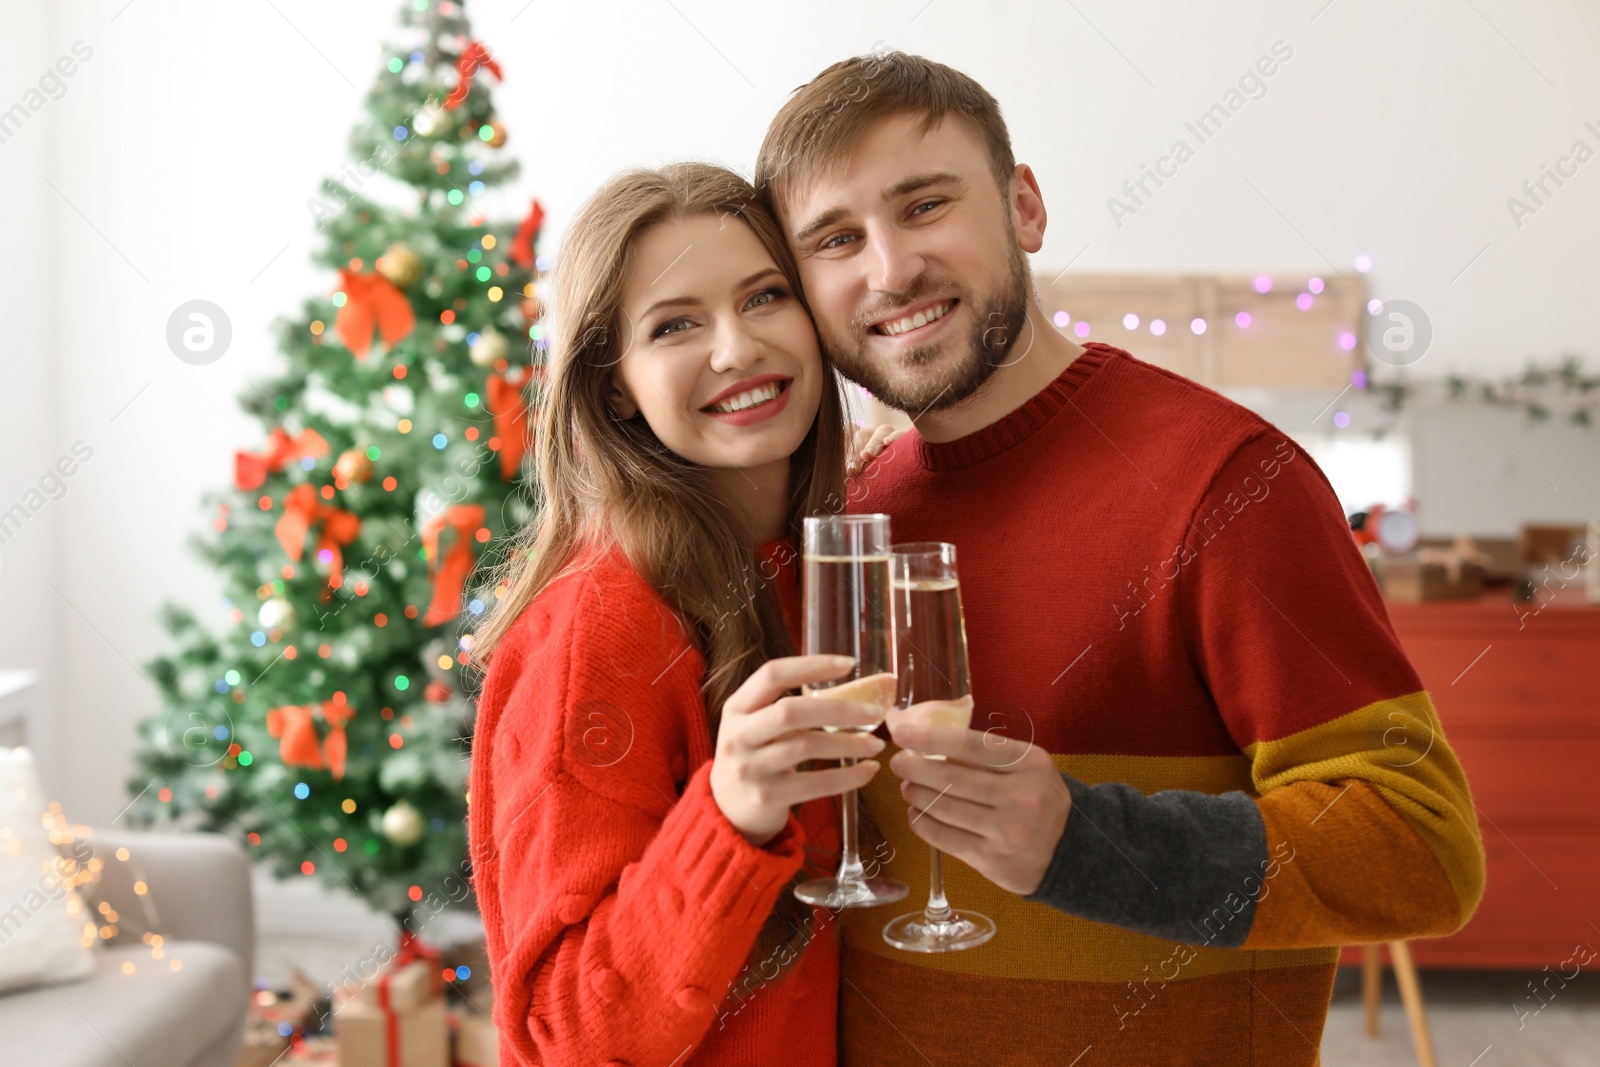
column 477, row 1041
column 399, row 1019
column 370, row 1036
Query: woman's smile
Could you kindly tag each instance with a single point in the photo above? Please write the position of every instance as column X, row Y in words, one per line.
column 753, row 405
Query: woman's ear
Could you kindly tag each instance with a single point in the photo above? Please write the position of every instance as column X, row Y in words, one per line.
column 617, row 399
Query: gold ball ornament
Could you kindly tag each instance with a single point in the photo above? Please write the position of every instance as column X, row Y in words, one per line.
column 400, row 264
column 353, row 466
column 402, row 824
column 276, row 614
column 490, row 347
column 429, row 120
column 497, row 134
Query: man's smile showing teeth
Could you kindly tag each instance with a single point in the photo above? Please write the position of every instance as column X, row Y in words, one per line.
column 931, row 313
column 749, row 399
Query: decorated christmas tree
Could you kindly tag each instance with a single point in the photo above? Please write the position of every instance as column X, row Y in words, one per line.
column 323, row 719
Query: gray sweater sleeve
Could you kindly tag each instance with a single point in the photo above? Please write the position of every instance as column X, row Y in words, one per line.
column 1175, row 864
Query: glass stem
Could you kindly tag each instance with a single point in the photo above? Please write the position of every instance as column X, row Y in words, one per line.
column 938, row 909
column 850, row 869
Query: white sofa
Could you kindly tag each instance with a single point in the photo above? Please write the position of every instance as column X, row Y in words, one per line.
column 199, row 885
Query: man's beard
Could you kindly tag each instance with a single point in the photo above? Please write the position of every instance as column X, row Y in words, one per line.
column 997, row 320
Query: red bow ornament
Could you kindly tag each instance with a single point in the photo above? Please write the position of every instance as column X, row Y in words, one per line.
column 297, row 736
column 301, row 511
column 450, row 574
column 371, row 300
column 527, row 233
column 250, row 469
column 467, row 65
column 504, row 399
column 295, row 728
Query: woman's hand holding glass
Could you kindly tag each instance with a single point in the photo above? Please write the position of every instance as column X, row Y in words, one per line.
column 764, row 735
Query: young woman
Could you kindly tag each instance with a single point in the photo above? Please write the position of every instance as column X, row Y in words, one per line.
column 641, row 796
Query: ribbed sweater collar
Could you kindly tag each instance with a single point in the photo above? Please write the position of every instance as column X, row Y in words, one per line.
column 1021, row 424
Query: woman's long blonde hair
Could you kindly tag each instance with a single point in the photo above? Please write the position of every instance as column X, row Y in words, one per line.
column 608, row 481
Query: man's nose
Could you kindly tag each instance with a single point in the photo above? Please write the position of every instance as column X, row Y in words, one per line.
column 894, row 261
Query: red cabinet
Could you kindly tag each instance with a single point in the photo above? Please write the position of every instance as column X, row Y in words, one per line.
column 1517, row 687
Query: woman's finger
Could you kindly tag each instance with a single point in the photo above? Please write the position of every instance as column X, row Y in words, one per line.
column 797, row 787
column 776, row 676
column 792, row 749
column 881, row 436
column 865, row 444
column 806, row 713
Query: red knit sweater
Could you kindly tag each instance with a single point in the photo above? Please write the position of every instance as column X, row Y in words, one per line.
column 1161, row 591
column 620, row 904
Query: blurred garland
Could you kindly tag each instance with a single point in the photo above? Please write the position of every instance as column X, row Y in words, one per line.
column 1539, row 391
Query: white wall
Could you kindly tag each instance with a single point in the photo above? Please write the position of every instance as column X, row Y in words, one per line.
column 30, row 438
column 185, row 148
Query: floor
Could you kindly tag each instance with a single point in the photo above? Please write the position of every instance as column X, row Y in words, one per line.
column 1474, row 1015
column 1478, row 1019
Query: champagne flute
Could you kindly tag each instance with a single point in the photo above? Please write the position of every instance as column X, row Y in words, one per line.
column 931, row 661
column 846, row 574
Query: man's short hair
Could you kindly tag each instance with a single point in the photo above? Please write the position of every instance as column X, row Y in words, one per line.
column 816, row 129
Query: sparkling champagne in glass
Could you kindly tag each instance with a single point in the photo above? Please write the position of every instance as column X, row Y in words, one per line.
column 931, row 664
column 846, row 587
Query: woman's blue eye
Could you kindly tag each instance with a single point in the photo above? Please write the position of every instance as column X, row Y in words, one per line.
column 670, row 326
column 766, row 296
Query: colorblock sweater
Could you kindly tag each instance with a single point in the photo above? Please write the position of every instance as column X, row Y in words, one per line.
column 1162, row 591
column 620, row 904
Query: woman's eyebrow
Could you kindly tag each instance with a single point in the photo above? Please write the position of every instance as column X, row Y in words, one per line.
column 691, row 301
column 671, row 301
column 756, row 277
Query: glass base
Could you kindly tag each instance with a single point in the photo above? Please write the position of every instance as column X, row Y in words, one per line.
column 833, row 894
column 963, row 929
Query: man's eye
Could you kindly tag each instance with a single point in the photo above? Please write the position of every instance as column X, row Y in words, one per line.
column 836, row 241
column 670, row 326
column 926, row 203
